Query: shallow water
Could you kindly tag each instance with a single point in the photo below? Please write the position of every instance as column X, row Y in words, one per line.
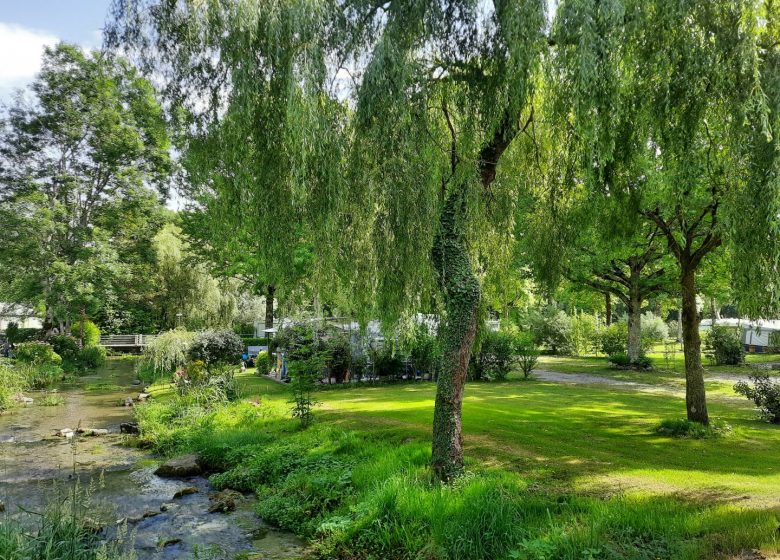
column 34, row 462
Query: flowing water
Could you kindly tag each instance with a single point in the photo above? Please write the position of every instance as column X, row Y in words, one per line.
column 36, row 466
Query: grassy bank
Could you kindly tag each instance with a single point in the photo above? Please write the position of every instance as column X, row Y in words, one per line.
column 555, row 471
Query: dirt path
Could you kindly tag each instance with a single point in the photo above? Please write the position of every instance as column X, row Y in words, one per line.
column 657, row 388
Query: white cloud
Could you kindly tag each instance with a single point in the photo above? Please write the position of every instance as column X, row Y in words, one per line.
column 20, row 55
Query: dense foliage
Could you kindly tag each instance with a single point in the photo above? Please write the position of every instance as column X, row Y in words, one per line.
column 37, row 353
column 495, row 356
column 78, row 167
column 165, row 353
column 216, row 348
column 765, row 393
column 725, row 345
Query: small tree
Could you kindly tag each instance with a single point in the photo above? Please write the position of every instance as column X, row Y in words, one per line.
column 527, row 354
column 304, row 375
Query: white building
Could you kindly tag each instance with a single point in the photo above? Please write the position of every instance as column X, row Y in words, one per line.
column 23, row 316
column 756, row 335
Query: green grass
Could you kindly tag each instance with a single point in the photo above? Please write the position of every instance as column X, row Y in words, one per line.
column 555, row 471
column 50, row 399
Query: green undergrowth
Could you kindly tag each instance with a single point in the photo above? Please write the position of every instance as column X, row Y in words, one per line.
column 680, row 427
column 62, row 530
column 364, row 492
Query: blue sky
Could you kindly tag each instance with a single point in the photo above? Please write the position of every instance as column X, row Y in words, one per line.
column 27, row 25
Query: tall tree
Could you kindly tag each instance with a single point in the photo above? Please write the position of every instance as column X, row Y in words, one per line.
column 440, row 92
column 631, row 270
column 688, row 92
column 90, row 143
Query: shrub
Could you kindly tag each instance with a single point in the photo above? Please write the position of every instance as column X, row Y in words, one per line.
column 165, row 354
column 91, row 332
column 66, row 346
column 254, row 341
column 683, row 428
column 261, row 362
column 424, row 351
column 41, row 376
column 725, row 346
column 654, row 329
column 497, row 354
column 527, row 354
column 765, row 393
column 37, row 353
column 386, row 363
column 339, row 357
column 582, row 335
column 12, row 381
column 216, row 348
column 550, row 327
column 623, row 361
column 91, row 357
column 614, row 338
column 774, row 342
column 15, row 335
column 297, row 341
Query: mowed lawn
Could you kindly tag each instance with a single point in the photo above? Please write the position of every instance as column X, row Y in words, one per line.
column 584, row 438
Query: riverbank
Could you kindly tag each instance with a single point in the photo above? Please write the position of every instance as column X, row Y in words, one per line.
column 117, row 493
column 554, row 471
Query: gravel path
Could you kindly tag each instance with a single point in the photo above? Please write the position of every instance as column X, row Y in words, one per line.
column 590, row 379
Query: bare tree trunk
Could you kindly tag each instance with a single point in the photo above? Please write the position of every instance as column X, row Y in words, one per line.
column 679, row 325
column 269, row 306
column 461, row 297
column 635, row 332
column 635, row 314
column 695, row 397
column 714, row 311
column 607, row 308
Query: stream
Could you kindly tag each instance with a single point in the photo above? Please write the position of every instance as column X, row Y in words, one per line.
column 126, row 495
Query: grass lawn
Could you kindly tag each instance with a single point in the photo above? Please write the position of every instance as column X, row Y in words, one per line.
column 564, row 441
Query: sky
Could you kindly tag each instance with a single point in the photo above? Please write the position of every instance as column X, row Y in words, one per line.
column 26, row 26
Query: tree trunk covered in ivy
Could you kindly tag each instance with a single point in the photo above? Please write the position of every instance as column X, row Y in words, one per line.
column 607, row 308
column 461, row 293
column 695, row 398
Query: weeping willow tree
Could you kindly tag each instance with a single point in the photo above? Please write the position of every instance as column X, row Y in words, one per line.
column 245, row 84
column 436, row 93
column 446, row 89
column 686, row 92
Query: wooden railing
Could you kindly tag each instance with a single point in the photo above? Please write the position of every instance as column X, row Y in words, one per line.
column 126, row 340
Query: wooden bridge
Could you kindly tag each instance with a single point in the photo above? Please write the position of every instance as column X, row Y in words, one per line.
column 127, row 341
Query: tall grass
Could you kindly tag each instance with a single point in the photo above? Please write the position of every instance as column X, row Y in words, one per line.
column 366, row 495
column 62, row 531
column 12, row 382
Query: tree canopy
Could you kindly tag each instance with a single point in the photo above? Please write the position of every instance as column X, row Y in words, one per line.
column 80, row 159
